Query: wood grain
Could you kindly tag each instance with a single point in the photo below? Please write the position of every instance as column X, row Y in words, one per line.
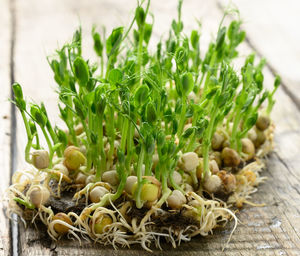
column 5, row 119
column 270, row 230
column 272, row 28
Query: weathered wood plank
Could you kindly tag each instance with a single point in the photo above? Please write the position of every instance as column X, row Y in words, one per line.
column 5, row 121
column 272, row 28
column 271, row 230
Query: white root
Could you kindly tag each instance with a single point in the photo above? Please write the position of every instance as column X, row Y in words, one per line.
column 126, row 230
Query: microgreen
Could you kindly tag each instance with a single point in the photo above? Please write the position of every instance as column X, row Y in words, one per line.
column 140, row 104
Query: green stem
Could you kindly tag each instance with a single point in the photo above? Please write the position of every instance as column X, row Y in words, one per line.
column 129, row 146
column 97, row 164
column 201, row 81
column 54, row 139
column 37, row 141
column 25, row 203
column 109, row 197
column 124, row 134
column 108, row 66
column 194, row 178
column 140, row 54
column 208, row 75
column 120, row 187
column 111, row 134
column 158, row 171
column 27, row 127
column 166, row 193
column 27, row 149
column 88, row 148
column 148, row 165
column 102, row 65
column 191, row 145
column 239, row 146
column 101, row 146
column 205, row 153
column 207, row 141
column 165, row 188
column 139, row 203
column 182, row 117
column 233, row 139
column 229, row 118
column 70, row 122
column 87, row 132
column 178, row 20
column 49, row 146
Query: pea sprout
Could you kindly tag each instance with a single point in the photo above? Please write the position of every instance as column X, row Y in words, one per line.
column 147, row 134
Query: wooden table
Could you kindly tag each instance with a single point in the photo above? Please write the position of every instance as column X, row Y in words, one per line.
column 31, row 29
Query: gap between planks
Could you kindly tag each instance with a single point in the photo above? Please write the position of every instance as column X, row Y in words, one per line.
column 14, row 241
column 274, row 71
column 6, row 114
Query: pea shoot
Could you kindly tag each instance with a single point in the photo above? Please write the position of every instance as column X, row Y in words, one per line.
column 149, row 134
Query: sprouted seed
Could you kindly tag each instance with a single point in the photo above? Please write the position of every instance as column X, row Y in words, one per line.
column 158, row 145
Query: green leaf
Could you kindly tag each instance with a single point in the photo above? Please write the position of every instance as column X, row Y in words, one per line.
column 195, row 39
column 150, row 144
column 114, row 40
column 212, row 92
column 62, row 136
column 250, row 59
column 263, row 97
column 188, row 132
column 88, row 98
column 151, row 114
column 38, row 116
column 233, row 27
column 220, row 38
column 140, row 16
column 251, row 121
column 58, row 70
column 76, row 42
column 32, row 126
column 180, row 56
column 141, row 95
column 91, row 85
column 171, row 148
column 115, row 76
column 174, row 126
column 161, row 138
column 77, row 36
column 171, row 46
column 277, row 81
column 98, row 46
column 17, row 89
column 177, row 27
column 187, row 83
column 20, row 103
column 100, row 103
column 63, row 112
column 168, row 115
column 80, row 111
column 81, row 71
column 259, row 79
column 228, row 108
column 147, row 32
column 136, row 36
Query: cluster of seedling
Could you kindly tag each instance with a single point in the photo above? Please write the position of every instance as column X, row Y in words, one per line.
column 149, row 136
